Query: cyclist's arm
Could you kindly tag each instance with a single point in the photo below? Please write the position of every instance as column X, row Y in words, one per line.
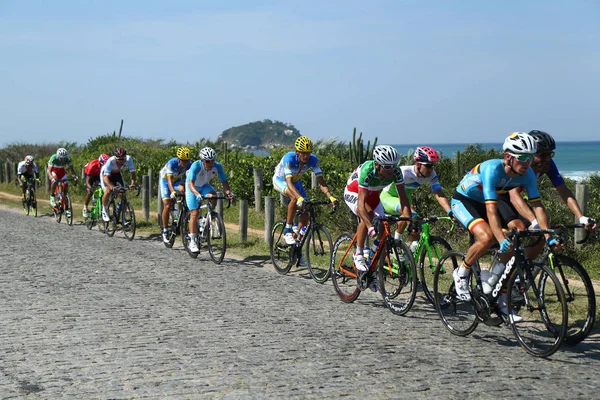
column 169, row 178
column 491, row 210
column 226, row 187
column 403, row 198
column 441, row 198
column 133, row 176
column 567, row 196
column 88, row 182
column 323, row 186
column 541, row 216
column 520, row 205
column 361, row 210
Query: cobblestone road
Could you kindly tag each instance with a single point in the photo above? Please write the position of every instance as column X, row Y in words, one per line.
column 85, row 316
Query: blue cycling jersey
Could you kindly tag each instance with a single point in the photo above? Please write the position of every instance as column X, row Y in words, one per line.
column 555, row 176
column 290, row 166
column 173, row 168
column 489, row 179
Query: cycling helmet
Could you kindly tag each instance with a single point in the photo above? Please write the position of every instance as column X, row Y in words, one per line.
column 520, row 143
column 183, row 153
column 28, row 160
column 545, row 142
column 103, row 158
column 62, row 153
column 426, row 154
column 385, row 155
column 303, row 144
column 207, row 154
column 120, row 152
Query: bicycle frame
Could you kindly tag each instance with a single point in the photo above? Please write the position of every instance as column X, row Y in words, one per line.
column 308, row 208
column 426, row 234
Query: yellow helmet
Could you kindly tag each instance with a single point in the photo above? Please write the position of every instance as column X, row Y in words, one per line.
column 303, row 144
column 183, row 153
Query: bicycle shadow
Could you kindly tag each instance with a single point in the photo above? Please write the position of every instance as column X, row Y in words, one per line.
column 252, row 261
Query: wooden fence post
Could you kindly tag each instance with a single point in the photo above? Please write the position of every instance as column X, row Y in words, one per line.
column 269, row 217
column 159, row 203
column 313, row 180
column 581, row 194
column 150, row 183
column 1, row 173
column 146, row 197
column 8, row 171
column 258, row 184
column 243, row 227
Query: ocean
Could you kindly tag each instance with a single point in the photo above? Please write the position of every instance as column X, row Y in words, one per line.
column 575, row 160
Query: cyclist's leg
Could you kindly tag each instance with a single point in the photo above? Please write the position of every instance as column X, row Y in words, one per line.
column 166, row 200
column 281, row 186
column 303, row 221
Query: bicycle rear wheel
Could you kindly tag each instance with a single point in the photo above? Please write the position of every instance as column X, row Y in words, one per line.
column 128, row 220
column 318, row 247
column 111, row 226
column 171, row 229
column 58, row 210
column 429, row 258
column 185, row 234
column 458, row 316
column 545, row 314
column 579, row 294
column 281, row 253
column 68, row 209
column 397, row 278
column 343, row 272
column 216, row 237
column 27, row 202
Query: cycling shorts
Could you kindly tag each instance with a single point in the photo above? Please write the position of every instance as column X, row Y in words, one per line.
column 373, row 201
column 280, row 185
column 165, row 193
column 115, row 179
column 190, row 197
column 471, row 213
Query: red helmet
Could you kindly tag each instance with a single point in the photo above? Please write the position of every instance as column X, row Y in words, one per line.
column 426, row 154
column 103, row 158
column 120, row 152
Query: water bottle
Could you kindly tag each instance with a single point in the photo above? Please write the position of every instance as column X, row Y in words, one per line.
column 93, row 201
column 373, row 249
column 490, row 278
column 302, row 232
column 295, row 230
column 174, row 212
column 201, row 224
column 118, row 208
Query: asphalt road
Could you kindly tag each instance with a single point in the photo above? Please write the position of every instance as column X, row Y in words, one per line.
column 85, row 316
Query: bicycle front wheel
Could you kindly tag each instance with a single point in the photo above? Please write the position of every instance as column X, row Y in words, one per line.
column 58, row 210
column 185, row 234
column 429, row 258
column 27, row 202
column 579, row 294
column 544, row 314
column 457, row 315
column 128, row 220
column 342, row 269
column 281, row 253
column 216, row 237
column 111, row 226
column 68, row 209
column 398, row 278
column 318, row 247
column 33, row 202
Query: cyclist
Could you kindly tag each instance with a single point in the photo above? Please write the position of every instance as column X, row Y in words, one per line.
column 110, row 176
column 91, row 175
column 362, row 195
column 27, row 171
column 287, row 181
column 57, row 171
column 198, row 187
column 477, row 203
column 416, row 175
column 543, row 164
column 171, row 180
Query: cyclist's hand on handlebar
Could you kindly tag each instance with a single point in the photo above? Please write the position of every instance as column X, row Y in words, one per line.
column 334, row 201
column 173, row 194
column 590, row 223
column 199, row 197
column 505, row 246
column 554, row 243
column 451, row 215
column 372, row 232
column 231, row 195
column 300, row 201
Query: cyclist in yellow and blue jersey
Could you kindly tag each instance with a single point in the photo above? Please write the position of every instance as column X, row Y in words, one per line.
column 286, row 180
column 172, row 177
column 478, row 205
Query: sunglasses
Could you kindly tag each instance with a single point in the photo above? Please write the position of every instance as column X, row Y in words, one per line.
column 427, row 165
column 209, row 161
column 387, row 166
column 547, row 154
column 120, row 159
column 523, row 157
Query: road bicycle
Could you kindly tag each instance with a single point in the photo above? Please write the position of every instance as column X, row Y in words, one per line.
column 120, row 212
column 176, row 217
column 315, row 244
column 211, row 229
column 94, row 215
column 63, row 203
column 392, row 270
column 543, row 309
column 30, row 199
column 576, row 283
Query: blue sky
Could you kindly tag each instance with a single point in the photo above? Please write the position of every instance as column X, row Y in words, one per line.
column 409, row 72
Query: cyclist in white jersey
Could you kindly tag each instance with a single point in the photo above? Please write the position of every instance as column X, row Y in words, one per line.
column 27, row 171
column 362, row 195
column 110, row 176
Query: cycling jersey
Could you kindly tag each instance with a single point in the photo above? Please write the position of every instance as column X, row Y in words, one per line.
column 487, row 180
column 59, row 164
column 111, row 166
column 92, row 168
column 290, row 166
column 24, row 169
column 412, row 182
column 555, row 176
column 201, row 176
column 173, row 168
column 365, row 176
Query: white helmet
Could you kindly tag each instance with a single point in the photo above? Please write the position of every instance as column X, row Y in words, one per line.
column 520, row 143
column 62, row 153
column 385, row 155
column 207, row 154
column 28, row 160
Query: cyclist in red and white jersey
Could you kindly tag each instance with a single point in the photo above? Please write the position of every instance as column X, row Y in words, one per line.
column 91, row 175
column 110, row 176
column 362, row 195
column 57, row 171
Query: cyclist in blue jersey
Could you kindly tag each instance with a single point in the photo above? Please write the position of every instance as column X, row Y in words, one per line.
column 477, row 203
column 286, row 181
column 172, row 177
column 197, row 184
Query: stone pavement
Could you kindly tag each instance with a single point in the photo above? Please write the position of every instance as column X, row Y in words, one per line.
column 85, row 316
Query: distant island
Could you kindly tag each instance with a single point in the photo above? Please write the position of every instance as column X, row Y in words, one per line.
column 261, row 135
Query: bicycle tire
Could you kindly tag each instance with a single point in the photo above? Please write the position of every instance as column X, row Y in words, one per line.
column 27, row 202
column 171, row 230
column 579, row 294
column 318, row 249
column 185, row 234
column 33, row 200
column 458, row 316
column 343, row 271
column 397, row 278
column 216, row 238
column 545, row 314
column 58, row 209
column 110, row 226
column 281, row 252
column 128, row 222
column 428, row 260
column 68, row 209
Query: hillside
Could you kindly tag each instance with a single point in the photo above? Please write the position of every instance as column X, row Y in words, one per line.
column 264, row 134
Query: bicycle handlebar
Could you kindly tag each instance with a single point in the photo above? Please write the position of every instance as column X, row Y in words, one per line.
column 586, row 233
column 312, row 203
column 213, row 197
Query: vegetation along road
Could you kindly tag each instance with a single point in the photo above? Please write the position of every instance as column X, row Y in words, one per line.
column 83, row 315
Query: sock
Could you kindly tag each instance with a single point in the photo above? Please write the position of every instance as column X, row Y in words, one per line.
column 397, row 235
column 463, row 270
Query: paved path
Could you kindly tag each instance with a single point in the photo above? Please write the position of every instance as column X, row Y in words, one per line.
column 84, row 316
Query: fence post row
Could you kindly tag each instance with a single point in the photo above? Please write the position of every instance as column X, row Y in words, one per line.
column 243, row 227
